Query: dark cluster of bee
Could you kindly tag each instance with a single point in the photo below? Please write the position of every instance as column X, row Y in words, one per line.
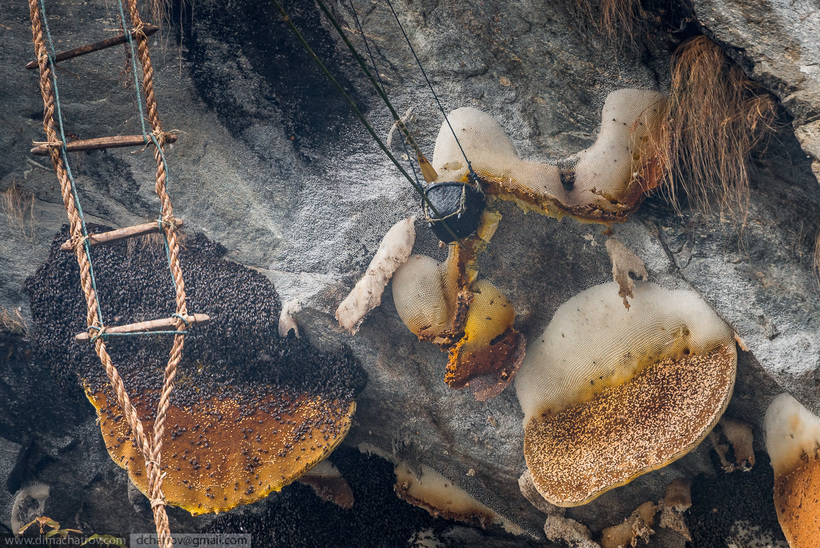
column 297, row 517
column 720, row 502
column 237, row 354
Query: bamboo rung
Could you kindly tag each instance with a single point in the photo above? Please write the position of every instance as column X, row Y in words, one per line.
column 99, row 143
column 120, row 234
column 152, row 325
column 96, row 46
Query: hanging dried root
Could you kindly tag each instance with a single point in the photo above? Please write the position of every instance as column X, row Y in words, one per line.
column 716, row 118
column 615, row 19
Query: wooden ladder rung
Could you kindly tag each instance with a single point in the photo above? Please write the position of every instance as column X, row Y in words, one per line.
column 96, row 46
column 154, row 325
column 120, row 234
column 99, row 143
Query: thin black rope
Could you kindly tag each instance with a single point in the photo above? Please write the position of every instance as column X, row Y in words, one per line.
column 356, row 110
column 379, row 89
column 473, row 175
column 381, row 83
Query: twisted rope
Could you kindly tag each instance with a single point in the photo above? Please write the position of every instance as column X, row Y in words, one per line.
column 151, row 449
column 153, row 462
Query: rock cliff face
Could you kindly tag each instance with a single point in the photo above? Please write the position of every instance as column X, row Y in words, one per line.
column 272, row 164
column 777, row 42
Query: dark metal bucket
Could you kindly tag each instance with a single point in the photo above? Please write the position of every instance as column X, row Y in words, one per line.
column 459, row 205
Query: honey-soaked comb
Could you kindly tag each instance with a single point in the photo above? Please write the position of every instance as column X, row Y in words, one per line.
column 490, row 314
column 793, row 443
column 490, row 347
column 420, row 297
column 237, row 380
column 610, row 393
column 225, row 452
column 605, row 182
column 484, row 350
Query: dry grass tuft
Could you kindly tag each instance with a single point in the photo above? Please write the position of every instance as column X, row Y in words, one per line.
column 18, row 206
column 616, row 19
column 160, row 11
column 716, row 117
column 12, row 322
column 152, row 242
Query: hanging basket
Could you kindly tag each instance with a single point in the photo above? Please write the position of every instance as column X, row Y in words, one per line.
column 460, row 206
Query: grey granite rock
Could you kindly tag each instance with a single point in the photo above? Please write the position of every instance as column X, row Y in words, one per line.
column 777, row 40
column 271, row 164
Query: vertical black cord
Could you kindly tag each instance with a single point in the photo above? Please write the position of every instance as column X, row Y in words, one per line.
column 352, row 104
column 381, row 83
column 473, row 175
column 379, row 90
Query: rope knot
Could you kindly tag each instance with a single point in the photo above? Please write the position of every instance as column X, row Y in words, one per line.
column 78, row 241
column 159, row 136
column 167, row 221
column 99, row 331
column 139, row 31
column 184, row 319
